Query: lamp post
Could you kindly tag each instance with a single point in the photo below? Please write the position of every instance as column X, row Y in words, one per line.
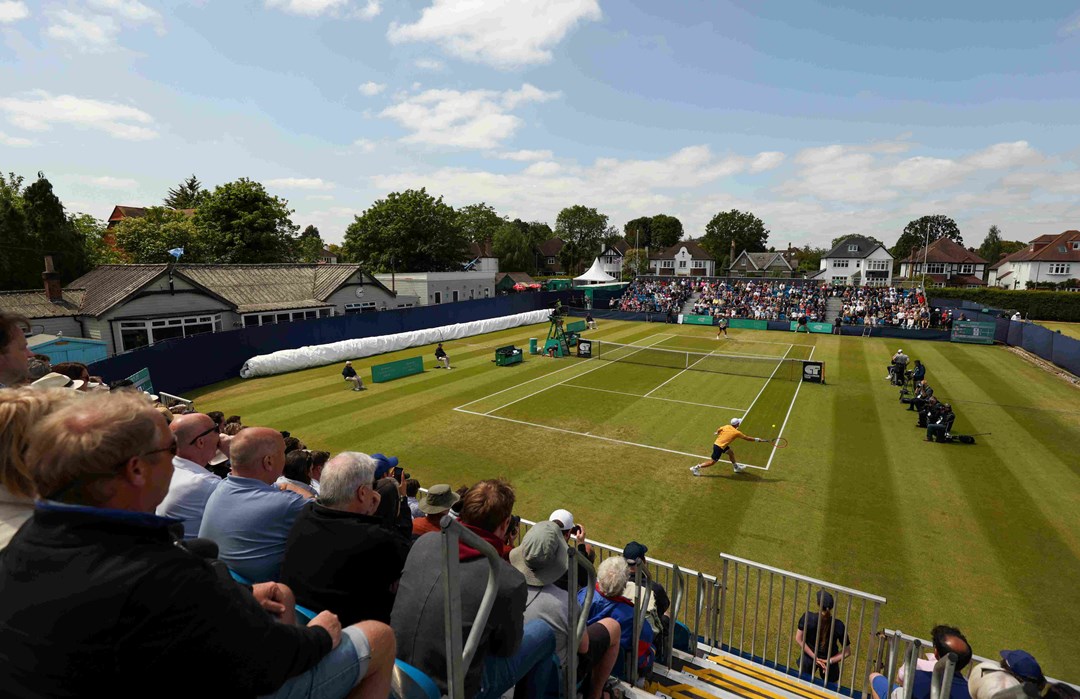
column 926, row 251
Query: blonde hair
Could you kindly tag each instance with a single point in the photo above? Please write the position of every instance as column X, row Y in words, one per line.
column 77, row 449
column 20, row 410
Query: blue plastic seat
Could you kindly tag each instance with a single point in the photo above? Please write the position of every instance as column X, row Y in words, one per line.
column 240, row 578
column 408, row 682
column 304, row 615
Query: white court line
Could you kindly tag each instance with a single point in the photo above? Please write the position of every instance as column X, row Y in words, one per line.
column 778, row 364
column 592, row 436
column 702, row 350
column 544, row 376
column 587, row 371
column 638, row 395
column 688, row 368
column 782, row 426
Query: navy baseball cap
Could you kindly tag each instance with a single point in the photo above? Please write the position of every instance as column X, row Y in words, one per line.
column 824, row 599
column 1023, row 664
column 383, row 464
column 635, row 551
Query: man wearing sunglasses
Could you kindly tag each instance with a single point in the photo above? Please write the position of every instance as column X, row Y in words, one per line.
column 192, row 483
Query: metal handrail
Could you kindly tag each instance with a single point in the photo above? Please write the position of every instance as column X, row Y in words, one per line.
column 457, row 658
column 805, row 578
column 941, row 679
column 576, row 624
column 641, row 604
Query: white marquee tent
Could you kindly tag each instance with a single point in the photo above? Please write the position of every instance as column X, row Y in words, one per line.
column 595, row 275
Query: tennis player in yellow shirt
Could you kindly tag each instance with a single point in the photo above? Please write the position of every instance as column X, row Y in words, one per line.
column 725, row 435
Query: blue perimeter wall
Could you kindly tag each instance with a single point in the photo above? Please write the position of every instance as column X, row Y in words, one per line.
column 184, row 364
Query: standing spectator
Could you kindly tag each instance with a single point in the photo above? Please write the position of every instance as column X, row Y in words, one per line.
column 816, row 629
column 107, row 460
column 436, row 503
column 608, row 602
column 946, row 639
column 350, row 375
column 14, row 354
column 412, row 489
column 441, row 358
column 248, row 517
column 191, row 484
column 509, row 650
column 338, row 555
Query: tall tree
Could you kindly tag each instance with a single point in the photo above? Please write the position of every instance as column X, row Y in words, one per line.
column 18, row 258
column 638, row 232
column 666, row 231
column 54, row 232
column 148, row 239
column 407, row 231
column 809, row 258
column 636, row 261
column 514, row 246
column 479, row 222
column 923, row 231
column 187, row 195
column 990, row 250
column 582, row 230
column 744, row 228
column 872, row 239
column 310, row 245
column 241, row 223
column 98, row 250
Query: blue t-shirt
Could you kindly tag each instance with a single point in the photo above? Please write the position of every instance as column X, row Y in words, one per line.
column 921, row 690
column 250, row 522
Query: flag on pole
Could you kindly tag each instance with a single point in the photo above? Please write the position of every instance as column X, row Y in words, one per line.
column 176, row 252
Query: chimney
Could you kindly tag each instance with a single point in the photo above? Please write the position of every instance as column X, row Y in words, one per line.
column 52, row 282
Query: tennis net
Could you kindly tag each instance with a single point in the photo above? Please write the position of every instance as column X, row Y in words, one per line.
column 738, row 365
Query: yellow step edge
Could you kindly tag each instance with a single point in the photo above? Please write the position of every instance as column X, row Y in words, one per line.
column 772, row 678
column 732, row 684
column 683, row 690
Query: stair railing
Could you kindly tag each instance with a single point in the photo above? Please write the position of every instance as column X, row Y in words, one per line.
column 942, row 677
column 576, row 618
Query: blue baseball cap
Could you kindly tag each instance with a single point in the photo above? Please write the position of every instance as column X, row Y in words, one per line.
column 1023, row 664
column 383, row 464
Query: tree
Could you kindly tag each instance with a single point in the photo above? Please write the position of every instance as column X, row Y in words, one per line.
column 513, row 244
column 310, row 245
column 189, row 194
column 638, row 232
column 872, row 239
column 408, row 230
column 148, row 239
column 809, row 258
column 98, row 250
column 636, row 261
column 17, row 261
column 744, row 228
column 53, row 232
column 666, row 231
column 923, row 231
column 241, row 223
column 582, row 231
column 1008, row 247
column 479, row 222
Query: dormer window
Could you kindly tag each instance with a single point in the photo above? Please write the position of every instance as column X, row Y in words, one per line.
column 1076, row 245
column 853, row 248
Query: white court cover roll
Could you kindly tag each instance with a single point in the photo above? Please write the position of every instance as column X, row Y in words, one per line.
column 320, row 355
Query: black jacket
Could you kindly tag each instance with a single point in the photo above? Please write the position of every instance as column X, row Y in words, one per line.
column 343, row 562
column 103, row 602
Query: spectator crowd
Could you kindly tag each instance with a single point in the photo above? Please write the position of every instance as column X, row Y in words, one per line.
column 761, row 299
column 889, row 306
column 652, row 296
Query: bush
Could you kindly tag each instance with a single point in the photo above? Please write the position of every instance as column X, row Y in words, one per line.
column 1033, row 305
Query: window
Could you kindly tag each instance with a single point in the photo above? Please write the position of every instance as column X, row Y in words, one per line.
column 1059, row 268
column 935, row 268
column 1076, row 245
column 667, row 264
column 472, row 293
column 840, row 264
column 967, row 269
column 551, row 260
column 610, row 259
column 877, row 265
column 438, row 297
column 839, row 281
column 142, row 333
column 853, row 247
column 682, row 264
column 252, row 319
column 487, row 291
column 454, row 295
column 365, row 307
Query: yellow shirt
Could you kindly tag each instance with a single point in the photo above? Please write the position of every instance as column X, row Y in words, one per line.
column 728, row 434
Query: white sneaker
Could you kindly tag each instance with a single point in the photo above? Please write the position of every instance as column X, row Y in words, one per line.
column 695, row 470
column 738, row 468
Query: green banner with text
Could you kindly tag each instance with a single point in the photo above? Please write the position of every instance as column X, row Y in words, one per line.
column 396, row 370
column 747, row 324
column 696, row 320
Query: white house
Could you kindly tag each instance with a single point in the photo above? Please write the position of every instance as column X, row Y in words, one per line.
column 947, row 264
column 856, row 261
column 482, row 258
column 433, row 288
column 611, row 258
column 683, row 259
column 1048, row 258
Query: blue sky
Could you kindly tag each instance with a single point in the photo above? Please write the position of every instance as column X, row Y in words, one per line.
column 823, row 118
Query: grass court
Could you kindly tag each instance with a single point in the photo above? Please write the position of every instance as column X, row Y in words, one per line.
column 985, row 536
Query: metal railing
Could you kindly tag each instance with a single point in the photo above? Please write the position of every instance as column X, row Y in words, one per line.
column 576, row 618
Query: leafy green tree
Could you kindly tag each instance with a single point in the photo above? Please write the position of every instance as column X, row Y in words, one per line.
column 187, row 195
column 310, row 245
column 148, row 239
column 479, row 222
column 582, row 230
column 990, row 249
column 53, row 232
column 666, row 231
column 514, row 245
column 241, row 223
column 407, row 231
column 747, row 230
column 98, row 250
column 923, row 231
column 18, row 251
column 872, row 239
column 636, row 261
column 809, row 258
column 1008, row 247
column 639, row 232
column 540, row 231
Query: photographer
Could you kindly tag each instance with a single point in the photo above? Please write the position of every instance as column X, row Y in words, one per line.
column 928, row 413
column 923, row 393
column 565, row 520
column 898, row 367
column 939, row 429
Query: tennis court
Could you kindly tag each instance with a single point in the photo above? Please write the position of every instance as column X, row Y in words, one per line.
column 668, row 392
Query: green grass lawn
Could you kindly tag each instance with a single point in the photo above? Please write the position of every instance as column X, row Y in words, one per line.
column 1070, row 329
column 985, row 537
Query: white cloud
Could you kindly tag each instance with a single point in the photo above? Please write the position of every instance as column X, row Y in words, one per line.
column 371, row 88
column 14, row 141
column 300, row 183
column 544, row 168
column 364, row 145
column 131, row 10
column 107, row 182
column 89, row 32
column 502, row 33
column 320, row 197
column 13, row 11
column 40, row 111
column 370, row 10
column 1072, row 26
column 526, row 155
column 428, row 64
column 1001, row 156
column 473, row 119
column 766, row 160
column 308, row 8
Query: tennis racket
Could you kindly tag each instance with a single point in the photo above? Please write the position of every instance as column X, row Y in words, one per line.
column 778, row 442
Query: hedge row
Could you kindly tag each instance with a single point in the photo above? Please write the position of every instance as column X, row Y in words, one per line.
column 1033, row 305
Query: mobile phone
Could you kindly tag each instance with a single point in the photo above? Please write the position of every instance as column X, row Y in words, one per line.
column 398, row 470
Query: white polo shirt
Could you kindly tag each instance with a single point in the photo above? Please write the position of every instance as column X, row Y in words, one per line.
column 190, row 488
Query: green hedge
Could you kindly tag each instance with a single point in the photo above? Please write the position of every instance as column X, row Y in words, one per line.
column 1033, row 305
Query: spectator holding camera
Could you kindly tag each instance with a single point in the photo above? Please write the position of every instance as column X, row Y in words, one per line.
column 565, row 521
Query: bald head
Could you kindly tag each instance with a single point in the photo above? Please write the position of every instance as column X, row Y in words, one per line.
column 196, row 437
column 949, row 639
column 258, row 452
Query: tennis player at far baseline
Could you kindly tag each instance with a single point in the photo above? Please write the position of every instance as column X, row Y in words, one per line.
column 725, row 435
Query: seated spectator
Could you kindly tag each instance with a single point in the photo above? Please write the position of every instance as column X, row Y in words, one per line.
column 350, row 375
column 339, row 556
column 37, row 368
column 1023, row 666
column 659, row 603
column 296, row 477
column 394, row 516
column 192, row 483
column 248, row 517
column 20, row 410
column 564, row 519
column 57, row 380
column 437, row 503
column 442, row 358
column 609, row 603
column 542, row 559
column 412, row 489
column 318, row 460
column 988, row 678
column 510, row 650
column 107, row 461
column 76, row 371
column 946, row 639
column 823, row 640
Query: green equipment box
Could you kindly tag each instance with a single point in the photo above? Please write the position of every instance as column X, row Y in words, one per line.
column 973, row 332
column 576, row 327
column 506, row 356
column 397, row 370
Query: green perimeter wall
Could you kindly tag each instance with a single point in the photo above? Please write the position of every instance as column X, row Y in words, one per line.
column 747, row 324
column 697, row 320
column 825, row 328
column 396, row 370
column 1033, row 305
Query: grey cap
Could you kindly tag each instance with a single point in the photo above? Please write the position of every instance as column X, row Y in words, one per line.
column 541, row 558
column 440, row 498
